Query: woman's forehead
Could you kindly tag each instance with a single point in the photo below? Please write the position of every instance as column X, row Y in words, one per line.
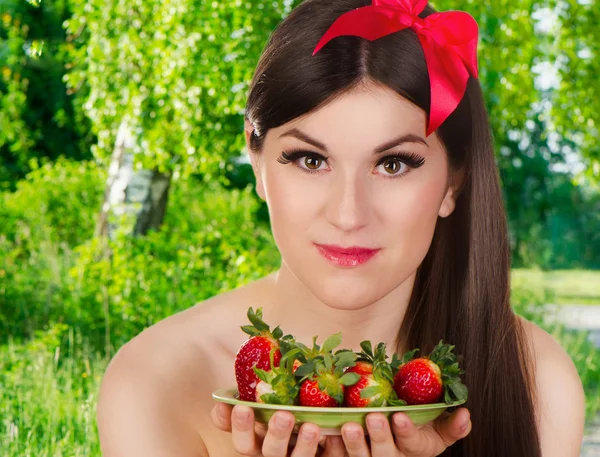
column 364, row 118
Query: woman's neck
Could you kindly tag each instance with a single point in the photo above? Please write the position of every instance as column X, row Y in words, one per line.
column 293, row 307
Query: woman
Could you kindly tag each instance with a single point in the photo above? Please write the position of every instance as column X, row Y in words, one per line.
column 347, row 152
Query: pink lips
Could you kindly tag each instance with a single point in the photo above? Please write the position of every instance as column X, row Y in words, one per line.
column 346, row 257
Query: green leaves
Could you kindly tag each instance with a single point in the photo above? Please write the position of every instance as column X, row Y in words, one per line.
column 262, row 375
column 459, row 390
column 367, row 348
column 180, row 71
column 332, row 342
column 370, row 391
column 259, row 327
column 349, row 379
column 305, row 369
column 256, row 320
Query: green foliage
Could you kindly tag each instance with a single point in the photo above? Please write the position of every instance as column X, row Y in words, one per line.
column 208, row 244
column 574, row 104
column 216, row 248
column 178, row 72
column 57, row 201
column 52, row 211
column 38, row 116
column 49, row 395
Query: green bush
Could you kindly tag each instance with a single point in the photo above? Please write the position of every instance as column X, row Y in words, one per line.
column 208, row 244
column 54, row 270
column 56, row 202
column 51, row 211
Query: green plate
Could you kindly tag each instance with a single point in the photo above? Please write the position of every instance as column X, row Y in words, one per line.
column 330, row 420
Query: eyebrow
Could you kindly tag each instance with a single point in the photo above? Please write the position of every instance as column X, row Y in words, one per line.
column 405, row 138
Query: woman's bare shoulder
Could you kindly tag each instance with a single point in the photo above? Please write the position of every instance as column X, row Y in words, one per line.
column 162, row 379
column 560, row 394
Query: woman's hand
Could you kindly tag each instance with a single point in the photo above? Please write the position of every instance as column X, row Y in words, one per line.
column 275, row 441
column 403, row 438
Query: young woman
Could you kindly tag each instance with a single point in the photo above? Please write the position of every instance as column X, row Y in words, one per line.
column 378, row 140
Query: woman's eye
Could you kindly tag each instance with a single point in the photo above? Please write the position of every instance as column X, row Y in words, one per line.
column 392, row 167
column 312, row 162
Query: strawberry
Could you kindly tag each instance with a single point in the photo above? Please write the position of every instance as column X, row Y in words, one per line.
column 322, row 373
column 376, row 384
column 430, row 379
column 255, row 352
column 278, row 386
column 312, row 395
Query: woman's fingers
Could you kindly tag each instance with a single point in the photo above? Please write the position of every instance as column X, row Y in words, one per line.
column 307, row 442
column 410, row 439
column 354, row 440
column 334, row 447
column 221, row 416
column 244, row 438
column 380, row 433
column 453, row 428
column 277, row 440
column 430, row 439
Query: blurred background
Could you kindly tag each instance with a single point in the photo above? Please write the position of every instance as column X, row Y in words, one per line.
column 125, row 194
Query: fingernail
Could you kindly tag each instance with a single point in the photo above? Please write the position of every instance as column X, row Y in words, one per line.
column 283, row 421
column 221, row 411
column 464, row 426
column 375, row 424
column 400, row 422
column 242, row 417
column 352, row 434
column 308, row 434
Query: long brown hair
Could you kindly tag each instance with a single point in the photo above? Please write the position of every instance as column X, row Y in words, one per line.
column 461, row 292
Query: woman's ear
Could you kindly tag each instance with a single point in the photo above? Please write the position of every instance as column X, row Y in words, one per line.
column 455, row 185
column 254, row 160
column 448, row 204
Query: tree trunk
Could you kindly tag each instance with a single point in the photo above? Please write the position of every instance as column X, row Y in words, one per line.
column 134, row 201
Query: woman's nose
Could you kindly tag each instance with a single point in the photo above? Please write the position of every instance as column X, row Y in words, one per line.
column 348, row 204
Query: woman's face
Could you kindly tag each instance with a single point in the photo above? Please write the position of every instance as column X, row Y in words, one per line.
column 342, row 193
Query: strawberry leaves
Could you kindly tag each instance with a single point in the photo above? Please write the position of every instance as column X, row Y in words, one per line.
column 443, row 356
column 259, row 327
column 280, row 381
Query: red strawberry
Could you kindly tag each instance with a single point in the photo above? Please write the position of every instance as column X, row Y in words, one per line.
column 323, row 373
column 375, row 386
column 255, row 352
column 311, row 395
column 430, row 379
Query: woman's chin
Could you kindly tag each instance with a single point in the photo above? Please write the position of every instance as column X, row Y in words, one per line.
column 347, row 300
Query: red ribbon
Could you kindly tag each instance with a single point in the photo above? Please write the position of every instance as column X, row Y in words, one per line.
column 448, row 39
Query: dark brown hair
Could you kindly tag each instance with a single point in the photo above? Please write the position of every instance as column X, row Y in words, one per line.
column 461, row 292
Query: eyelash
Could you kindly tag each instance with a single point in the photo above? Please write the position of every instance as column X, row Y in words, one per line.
column 411, row 160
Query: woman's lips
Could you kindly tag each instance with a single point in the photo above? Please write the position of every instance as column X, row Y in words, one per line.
column 346, row 257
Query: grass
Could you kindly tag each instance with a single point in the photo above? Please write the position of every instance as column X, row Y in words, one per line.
column 48, row 399
column 563, row 287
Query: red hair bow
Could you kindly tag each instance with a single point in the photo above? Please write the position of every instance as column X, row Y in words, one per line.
column 448, row 39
